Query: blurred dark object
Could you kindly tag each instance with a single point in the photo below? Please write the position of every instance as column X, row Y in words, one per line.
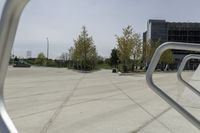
column 21, row 63
column 125, row 68
column 114, row 70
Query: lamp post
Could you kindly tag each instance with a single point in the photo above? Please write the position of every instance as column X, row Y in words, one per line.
column 47, row 50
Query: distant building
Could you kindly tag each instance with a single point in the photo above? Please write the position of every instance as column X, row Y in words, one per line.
column 28, row 54
column 177, row 32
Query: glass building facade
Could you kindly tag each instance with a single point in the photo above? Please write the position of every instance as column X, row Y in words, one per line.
column 163, row 31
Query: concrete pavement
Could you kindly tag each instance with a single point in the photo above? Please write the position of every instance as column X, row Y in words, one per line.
column 49, row 100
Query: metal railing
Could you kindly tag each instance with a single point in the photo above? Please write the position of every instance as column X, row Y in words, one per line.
column 8, row 27
column 152, row 66
column 181, row 68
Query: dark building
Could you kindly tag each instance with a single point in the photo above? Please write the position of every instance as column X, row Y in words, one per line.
column 162, row 31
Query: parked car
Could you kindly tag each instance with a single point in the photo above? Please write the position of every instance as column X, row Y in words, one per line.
column 21, row 63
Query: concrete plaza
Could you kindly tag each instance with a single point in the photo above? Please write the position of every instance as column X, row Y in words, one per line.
column 52, row 100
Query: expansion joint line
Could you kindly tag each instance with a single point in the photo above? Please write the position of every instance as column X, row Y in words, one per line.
column 59, row 109
column 145, row 110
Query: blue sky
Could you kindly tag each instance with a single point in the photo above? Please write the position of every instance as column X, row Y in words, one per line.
column 61, row 21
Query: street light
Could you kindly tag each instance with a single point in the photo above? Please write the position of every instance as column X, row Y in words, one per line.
column 47, row 48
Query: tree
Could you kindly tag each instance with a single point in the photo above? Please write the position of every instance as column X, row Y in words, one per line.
column 149, row 49
column 100, row 60
column 125, row 45
column 71, row 57
column 167, row 57
column 114, row 58
column 41, row 59
column 146, row 53
column 137, row 50
column 63, row 57
column 84, row 51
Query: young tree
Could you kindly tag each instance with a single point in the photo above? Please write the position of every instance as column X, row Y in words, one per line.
column 92, row 57
column 64, row 57
column 137, row 47
column 166, row 58
column 114, row 59
column 71, row 57
column 125, row 44
column 149, row 49
column 146, row 53
column 137, row 50
column 84, row 51
column 41, row 59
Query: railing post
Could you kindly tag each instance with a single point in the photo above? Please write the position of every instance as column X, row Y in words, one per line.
column 8, row 26
column 181, row 68
column 160, row 92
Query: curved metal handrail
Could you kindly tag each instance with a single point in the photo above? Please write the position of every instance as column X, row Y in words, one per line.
column 181, row 68
column 157, row 90
column 8, row 26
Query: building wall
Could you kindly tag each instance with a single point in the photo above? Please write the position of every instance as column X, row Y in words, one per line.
column 160, row 30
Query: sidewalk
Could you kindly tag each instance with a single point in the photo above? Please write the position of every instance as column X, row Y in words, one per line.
column 51, row 100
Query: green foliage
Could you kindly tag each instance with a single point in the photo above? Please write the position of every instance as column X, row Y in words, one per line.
column 146, row 53
column 167, row 57
column 83, row 54
column 129, row 45
column 149, row 49
column 41, row 59
column 100, row 60
column 125, row 45
column 137, row 51
column 103, row 63
column 114, row 59
column 137, row 46
column 103, row 66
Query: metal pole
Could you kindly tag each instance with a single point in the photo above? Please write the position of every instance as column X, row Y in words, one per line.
column 181, row 68
column 157, row 90
column 8, row 26
column 47, row 48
